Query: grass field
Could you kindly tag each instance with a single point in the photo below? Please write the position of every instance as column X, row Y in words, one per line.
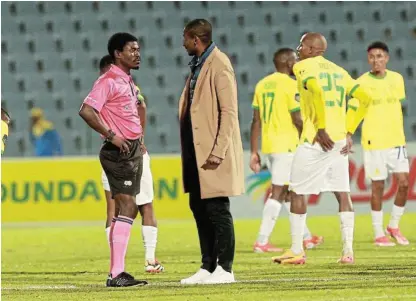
column 70, row 262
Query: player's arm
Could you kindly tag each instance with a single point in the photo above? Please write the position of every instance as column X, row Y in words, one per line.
column 352, row 108
column 318, row 98
column 255, row 132
column 297, row 121
column 357, row 109
column 294, row 108
column 90, row 116
column 90, row 108
column 401, row 90
column 227, row 99
column 5, row 120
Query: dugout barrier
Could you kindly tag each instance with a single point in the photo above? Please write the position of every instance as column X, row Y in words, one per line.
column 69, row 189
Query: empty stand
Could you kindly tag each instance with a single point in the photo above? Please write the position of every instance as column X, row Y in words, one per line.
column 50, row 54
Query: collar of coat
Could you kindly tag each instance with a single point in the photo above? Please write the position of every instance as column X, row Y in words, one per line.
column 196, row 61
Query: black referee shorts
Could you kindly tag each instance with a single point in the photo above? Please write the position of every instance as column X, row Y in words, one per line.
column 123, row 171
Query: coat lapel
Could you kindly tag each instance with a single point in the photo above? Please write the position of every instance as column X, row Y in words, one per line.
column 203, row 74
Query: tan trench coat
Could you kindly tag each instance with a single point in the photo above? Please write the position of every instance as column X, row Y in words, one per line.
column 215, row 127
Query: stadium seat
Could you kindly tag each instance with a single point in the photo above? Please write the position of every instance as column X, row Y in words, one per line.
column 50, row 52
column 137, row 7
column 23, row 9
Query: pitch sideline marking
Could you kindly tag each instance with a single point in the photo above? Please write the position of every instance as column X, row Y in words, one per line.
column 39, row 287
column 177, row 284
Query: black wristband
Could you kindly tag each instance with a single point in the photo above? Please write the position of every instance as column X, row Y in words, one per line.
column 110, row 136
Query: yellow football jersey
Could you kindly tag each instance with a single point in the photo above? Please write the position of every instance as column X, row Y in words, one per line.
column 4, row 135
column 140, row 97
column 275, row 98
column 336, row 84
column 383, row 123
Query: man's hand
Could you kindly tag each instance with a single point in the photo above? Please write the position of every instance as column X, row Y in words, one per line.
column 347, row 149
column 212, row 163
column 255, row 162
column 323, row 139
column 122, row 144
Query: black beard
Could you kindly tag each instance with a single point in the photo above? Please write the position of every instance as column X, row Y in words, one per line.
column 191, row 53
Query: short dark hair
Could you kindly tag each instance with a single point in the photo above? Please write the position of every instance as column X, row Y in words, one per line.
column 118, row 41
column 200, row 28
column 378, row 45
column 280, row 52
column 105, row 61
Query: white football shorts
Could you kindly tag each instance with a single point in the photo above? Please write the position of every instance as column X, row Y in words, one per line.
column 315, row 171
column 146, row 194
column 280, row 166
column 379, row 163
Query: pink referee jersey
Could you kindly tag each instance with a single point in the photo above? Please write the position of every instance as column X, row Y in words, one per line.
column 114, row 97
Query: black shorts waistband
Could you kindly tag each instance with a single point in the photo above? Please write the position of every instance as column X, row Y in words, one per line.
column 140, row 140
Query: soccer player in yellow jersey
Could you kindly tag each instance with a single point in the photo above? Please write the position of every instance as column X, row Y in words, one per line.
column 321, row 162
column 276, row 113
column 383, row 140
column 5, row 120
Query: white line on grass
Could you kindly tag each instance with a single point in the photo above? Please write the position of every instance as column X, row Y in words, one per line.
column 39, row 287
column 172, row 283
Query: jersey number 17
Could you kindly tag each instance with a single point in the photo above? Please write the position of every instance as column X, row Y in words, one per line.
column 268, row 99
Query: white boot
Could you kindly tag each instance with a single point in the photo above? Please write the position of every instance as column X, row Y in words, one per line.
column 219, row 276
column 197, row 277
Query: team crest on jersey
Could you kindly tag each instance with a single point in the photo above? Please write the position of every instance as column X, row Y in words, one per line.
column 297, row 97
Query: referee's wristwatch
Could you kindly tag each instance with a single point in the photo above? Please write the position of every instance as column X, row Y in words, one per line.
column 110, row 136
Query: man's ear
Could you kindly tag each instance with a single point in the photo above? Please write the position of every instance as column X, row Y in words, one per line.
column 196, row 40
column 117, row 54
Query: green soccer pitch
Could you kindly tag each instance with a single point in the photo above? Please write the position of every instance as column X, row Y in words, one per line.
column 70, row 262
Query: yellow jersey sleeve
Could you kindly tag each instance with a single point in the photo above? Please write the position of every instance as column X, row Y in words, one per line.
column 140, row 97
column 353, row 104
column 4, row 135
column 350, row 84
column 400, row 88
column 304, row 70
column 352, row 123
column 293, row 98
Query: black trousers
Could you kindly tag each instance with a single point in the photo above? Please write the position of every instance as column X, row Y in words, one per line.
column 212, row 216
column 215, row 230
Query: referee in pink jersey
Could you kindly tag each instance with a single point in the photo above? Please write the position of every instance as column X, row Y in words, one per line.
column 110, row 109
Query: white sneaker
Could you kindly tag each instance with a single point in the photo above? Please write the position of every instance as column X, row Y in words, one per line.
column 219, row 276
column 197, row 277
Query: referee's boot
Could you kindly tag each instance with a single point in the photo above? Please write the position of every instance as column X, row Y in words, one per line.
column 124, row 280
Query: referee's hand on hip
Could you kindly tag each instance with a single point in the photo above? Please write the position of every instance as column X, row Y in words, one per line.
column 121, row 143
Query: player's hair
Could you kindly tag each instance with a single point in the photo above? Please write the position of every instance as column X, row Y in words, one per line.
column 378, row 45
column 118, row 41
column 105, row 61
column 280, row 52
column 200, row 28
